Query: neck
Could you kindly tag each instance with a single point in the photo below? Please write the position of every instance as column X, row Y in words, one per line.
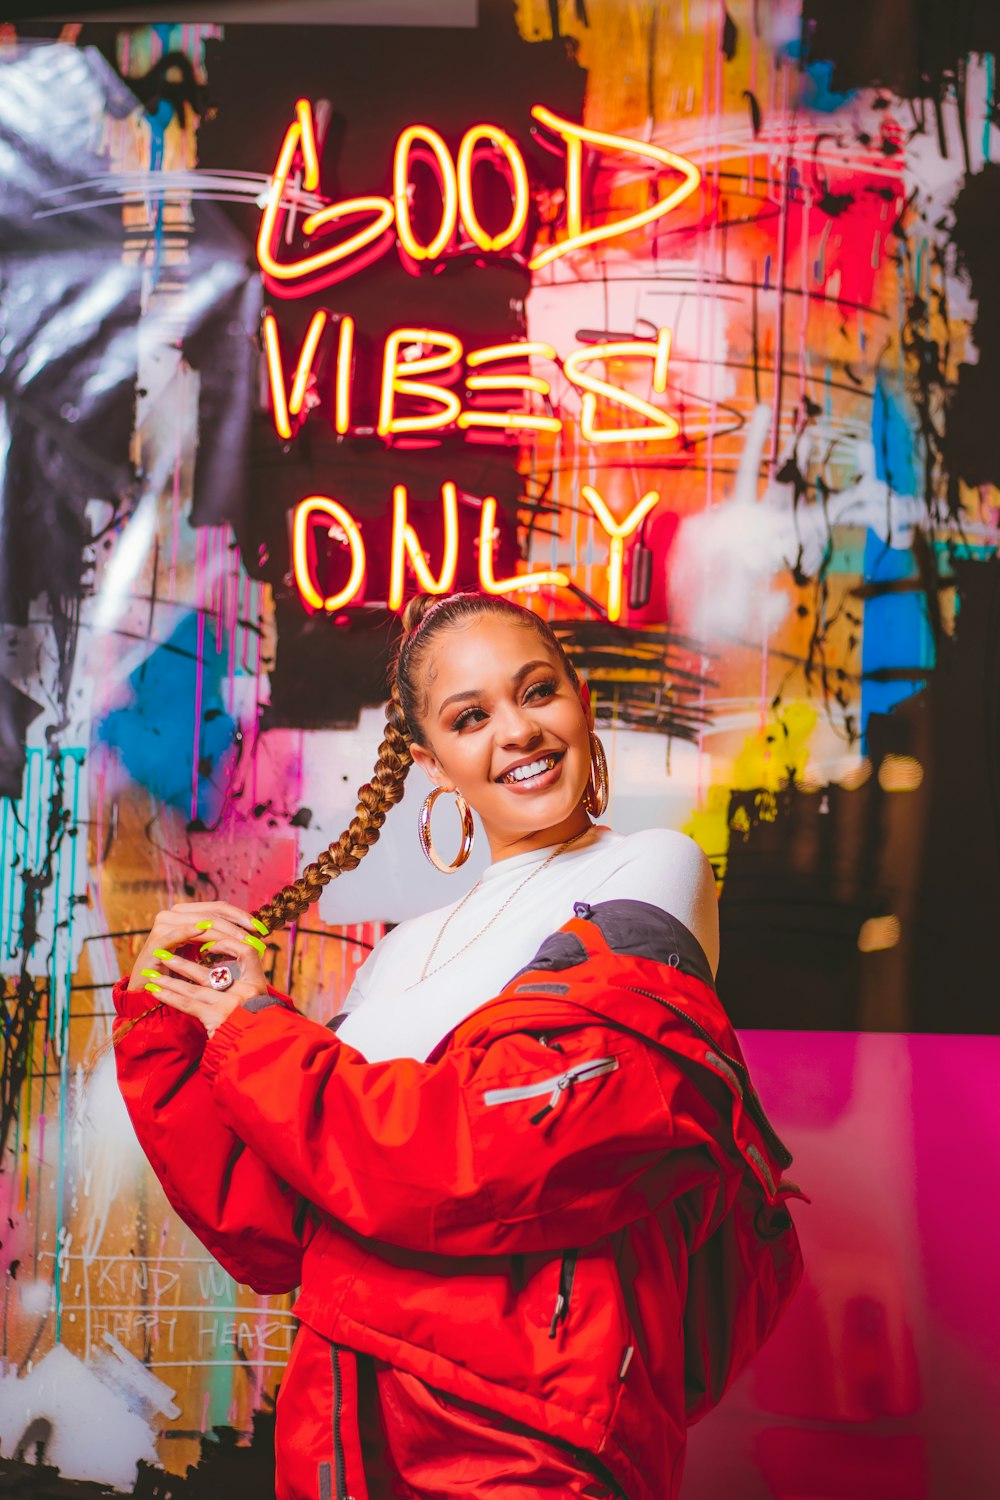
column 505, row 846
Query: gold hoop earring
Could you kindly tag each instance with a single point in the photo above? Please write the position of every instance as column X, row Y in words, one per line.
column 424, row 828
column 595, row 798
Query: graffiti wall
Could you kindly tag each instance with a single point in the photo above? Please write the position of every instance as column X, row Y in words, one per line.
column 677, row 322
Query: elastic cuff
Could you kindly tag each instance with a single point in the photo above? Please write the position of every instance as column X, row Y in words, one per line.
column 224, row 1040
column 264, row 1002
column 131, row 1004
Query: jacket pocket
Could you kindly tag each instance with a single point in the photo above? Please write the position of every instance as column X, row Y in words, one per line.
column 556, row 1086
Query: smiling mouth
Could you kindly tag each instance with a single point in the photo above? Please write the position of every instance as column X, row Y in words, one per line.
column 549, row 762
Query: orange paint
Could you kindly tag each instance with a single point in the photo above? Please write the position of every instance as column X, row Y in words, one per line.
column 492, row 585
column 617, row 531
column 576, row 136
column 658, row 426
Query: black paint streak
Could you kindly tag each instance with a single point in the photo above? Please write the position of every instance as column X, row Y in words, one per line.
column 25, row 996
column 667, row 704
column 228, row 1466
column 972, row 441
column 916, row 48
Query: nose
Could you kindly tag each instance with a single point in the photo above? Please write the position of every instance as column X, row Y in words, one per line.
column 515, row 724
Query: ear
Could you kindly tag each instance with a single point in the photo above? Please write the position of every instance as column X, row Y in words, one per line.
column 428, row 763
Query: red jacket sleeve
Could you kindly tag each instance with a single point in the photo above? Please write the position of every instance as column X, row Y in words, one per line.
column 239, row 1208
column 461, row 1156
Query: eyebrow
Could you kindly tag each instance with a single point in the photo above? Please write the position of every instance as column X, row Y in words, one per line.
column 517, row 678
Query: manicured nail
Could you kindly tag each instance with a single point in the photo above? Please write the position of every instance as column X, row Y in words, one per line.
column 202, row 925
column 162, row 953
column 154, row 989
column 206, row 947
column 255, row 942
column 150, row 973
column 261, row 927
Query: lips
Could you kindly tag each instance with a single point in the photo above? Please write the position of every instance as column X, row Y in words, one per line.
column 554, row 755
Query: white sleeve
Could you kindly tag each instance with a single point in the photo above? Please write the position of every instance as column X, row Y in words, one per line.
column 671, row 871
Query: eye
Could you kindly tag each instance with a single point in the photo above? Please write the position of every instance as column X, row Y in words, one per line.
column 545, row 687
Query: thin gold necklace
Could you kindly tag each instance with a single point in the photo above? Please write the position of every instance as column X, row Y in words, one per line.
column 530, row 876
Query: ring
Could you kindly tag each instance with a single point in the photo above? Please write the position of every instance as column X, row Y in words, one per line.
column 221, row 977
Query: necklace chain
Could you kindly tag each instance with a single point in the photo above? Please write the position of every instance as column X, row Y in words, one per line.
column 530, row 876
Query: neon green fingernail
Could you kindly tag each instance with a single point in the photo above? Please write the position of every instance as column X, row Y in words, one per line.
column 154, row 989
column 260, row 926
column 204, row 924
column 255, row 942
column 206, row 947
column 150, row 973
column 162, row 953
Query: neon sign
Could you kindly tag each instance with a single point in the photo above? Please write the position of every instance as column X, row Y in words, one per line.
column 429, row 384
column 390, row 220
column 407, row 405
column 406, row 543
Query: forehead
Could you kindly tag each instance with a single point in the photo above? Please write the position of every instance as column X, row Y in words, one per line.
column 476, row 653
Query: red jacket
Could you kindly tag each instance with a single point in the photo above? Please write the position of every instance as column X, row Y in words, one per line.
column 517, row 1220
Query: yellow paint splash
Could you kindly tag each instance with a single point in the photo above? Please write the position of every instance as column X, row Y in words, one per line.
column 772, row 757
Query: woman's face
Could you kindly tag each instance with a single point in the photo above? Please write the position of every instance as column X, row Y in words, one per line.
column 497, row 697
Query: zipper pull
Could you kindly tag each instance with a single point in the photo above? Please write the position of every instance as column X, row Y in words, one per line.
column 567, row 1268
column 559, row 1090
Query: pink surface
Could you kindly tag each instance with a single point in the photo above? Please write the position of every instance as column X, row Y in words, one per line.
column 883, row 1380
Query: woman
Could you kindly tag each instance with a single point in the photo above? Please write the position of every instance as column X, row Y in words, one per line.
column 491, row 1186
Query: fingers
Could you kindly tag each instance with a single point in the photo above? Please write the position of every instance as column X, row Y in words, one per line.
column 175, row 992
column 186, row 925
column 224, row 909
column 215, row 930
column 181, row 968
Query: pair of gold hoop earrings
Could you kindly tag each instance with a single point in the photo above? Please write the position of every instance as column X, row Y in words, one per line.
column 595, row 800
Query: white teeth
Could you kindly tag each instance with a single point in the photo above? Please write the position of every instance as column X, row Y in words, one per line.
column 536, row 767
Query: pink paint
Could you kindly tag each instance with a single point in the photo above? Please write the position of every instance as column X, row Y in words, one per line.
column 199, row 668
column 882, row 1378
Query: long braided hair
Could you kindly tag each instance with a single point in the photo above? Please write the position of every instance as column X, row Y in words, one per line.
column 424, row 617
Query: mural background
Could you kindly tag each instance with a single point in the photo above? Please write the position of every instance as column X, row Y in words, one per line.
column 804, row 674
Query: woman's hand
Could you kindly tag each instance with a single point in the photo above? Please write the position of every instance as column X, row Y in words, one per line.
column 221, row 928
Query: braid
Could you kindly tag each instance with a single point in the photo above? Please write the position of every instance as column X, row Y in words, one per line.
column 374, row 800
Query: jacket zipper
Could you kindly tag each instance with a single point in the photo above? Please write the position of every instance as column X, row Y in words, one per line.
column 339, row 1474
column 555, row 1086
column 747, row 1092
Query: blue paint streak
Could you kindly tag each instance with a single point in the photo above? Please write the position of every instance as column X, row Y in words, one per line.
column 154, row 735
column 990, row 61
column 816, row 78
column 892, row 435
column 158, row 123
column 896, row 631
